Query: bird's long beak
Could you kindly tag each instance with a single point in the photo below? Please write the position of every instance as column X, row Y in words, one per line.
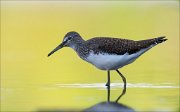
column 57, row 48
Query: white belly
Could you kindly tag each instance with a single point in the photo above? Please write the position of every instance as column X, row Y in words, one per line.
column 112, row 62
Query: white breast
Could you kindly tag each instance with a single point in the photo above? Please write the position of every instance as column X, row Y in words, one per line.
column 106, row 61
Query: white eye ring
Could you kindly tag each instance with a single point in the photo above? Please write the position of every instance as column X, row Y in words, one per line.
column 67, row 38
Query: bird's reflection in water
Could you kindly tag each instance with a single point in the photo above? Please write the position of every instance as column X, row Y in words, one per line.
column 108, row 106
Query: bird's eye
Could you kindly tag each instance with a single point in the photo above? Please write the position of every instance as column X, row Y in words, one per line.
column 69, row 38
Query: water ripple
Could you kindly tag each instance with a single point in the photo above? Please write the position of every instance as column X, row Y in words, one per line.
column 118, row 85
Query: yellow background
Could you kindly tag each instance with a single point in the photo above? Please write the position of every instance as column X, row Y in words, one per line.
column 30, row 30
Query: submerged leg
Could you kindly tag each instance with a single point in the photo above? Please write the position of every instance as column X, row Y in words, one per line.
column 108, row 86
column 108, row 94
column 108, row 77
column 124, row 89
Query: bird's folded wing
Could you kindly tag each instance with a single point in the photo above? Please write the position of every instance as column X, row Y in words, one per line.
column 120, row 46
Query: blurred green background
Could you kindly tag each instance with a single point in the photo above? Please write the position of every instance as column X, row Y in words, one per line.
column 31, row 29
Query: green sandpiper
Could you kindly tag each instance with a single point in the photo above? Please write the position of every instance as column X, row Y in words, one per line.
column 108, row 53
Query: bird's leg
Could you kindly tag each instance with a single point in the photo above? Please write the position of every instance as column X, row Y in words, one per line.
column 108, row 93
column 124, row 89
column 108, row 77
column 108, row 86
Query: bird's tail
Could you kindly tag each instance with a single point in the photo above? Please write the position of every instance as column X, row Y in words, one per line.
column 160, row 39
column 151, row 42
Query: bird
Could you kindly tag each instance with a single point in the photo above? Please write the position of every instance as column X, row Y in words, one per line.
column 108, row 53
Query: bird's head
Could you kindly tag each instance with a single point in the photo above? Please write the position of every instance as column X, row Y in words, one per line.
column 69, row 40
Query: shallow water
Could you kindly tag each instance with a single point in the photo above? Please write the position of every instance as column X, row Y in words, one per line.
column 139, row 96
column 31, row 81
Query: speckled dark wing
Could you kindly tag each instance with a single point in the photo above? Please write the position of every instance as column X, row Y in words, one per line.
column 120, row 46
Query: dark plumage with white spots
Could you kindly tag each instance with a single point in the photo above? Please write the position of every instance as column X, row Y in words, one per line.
column 120, row 46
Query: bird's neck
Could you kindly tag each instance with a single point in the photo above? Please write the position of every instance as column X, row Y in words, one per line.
column 78, row 43
column 81, row 48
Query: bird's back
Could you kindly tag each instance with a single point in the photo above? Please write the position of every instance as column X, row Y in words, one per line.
column 120, row 46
